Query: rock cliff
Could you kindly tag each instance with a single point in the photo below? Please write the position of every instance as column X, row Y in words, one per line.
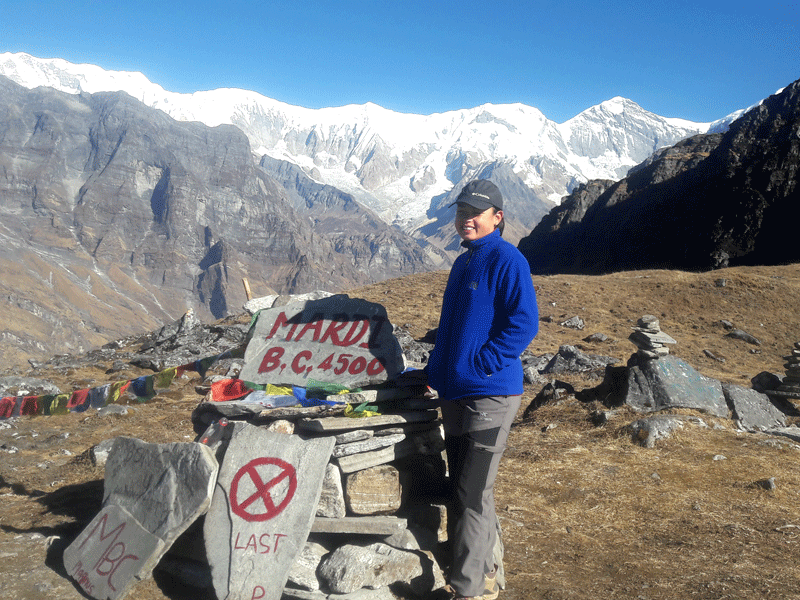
column 114, row 216
column 709, row 201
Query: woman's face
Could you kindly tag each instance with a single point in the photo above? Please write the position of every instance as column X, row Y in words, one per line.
column 473, row 223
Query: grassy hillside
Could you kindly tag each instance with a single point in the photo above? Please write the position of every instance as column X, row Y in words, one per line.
column 587, row 513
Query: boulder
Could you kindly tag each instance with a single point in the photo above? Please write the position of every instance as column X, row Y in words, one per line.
column 668, row 382
column 754, row 410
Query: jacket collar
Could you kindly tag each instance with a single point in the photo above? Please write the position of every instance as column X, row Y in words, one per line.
column 491, row 238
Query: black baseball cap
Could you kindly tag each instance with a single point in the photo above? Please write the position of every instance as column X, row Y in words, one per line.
column 480, row 194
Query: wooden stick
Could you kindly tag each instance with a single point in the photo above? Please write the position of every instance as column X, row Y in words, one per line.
column 247, row 288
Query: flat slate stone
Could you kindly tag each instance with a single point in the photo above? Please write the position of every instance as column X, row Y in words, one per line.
column 341, row 340
column 372, row 443
column 112, row 554
column 357, row 435
column 753, row 409
column 152, row 494
column 262, row 510
column 382, row 525
column 303, row 573
column 165, row 487
column 331, row 499
column 348, row 423
column 373, row 491
column 793, row 433
column 650, row 337
column 428, row 442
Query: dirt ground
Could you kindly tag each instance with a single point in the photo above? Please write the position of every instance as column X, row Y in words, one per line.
column 587, row 514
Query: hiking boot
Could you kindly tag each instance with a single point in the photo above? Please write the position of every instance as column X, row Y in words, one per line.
column 490, row 590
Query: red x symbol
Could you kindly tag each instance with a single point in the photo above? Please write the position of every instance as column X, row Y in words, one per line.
column 250, row 508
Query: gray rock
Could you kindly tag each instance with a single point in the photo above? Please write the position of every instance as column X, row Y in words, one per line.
column 755, row 411
column 570, row 359
column 647, row 431
column 264, row 503
column 338, row 339
column 766, row 381
column 535, row 362
column 532, row 367
column 766, row 484
column 256, row 304
column 349, row 568
column 373, row 491
column 281, row 426
column 713, row 356
column 303, row 573
column 13, row 385
column 595, row 338
column 649, row 322
column 382, row 525
column 335, row 425
column 357, row 435
column 99, row 453
column 738, row 334
column 573, row 323
column 383, row 593
column 112, row 409
column 650, row 339
column 112, row 554
column 652, row 353
column 165, row 487
column 669, row 382
column 372, row 443
column 331, row 500
column 295, row 594
column 414, row 351
column 793, row 433
column 427, row 442
column 152, row 494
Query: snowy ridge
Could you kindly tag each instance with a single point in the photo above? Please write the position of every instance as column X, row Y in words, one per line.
column 398, row 164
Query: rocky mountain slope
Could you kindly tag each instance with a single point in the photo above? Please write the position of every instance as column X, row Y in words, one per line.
column 114, row 216
column 709, row 201
column 404, row 167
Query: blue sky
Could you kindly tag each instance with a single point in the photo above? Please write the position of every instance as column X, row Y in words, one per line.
column 696, row 60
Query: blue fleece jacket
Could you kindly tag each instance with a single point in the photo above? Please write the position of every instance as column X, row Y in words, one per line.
column 489, row 316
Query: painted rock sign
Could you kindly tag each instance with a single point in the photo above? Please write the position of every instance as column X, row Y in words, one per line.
column 339, row 339
column 112, row 554
column 262, row 510
column 152, row 494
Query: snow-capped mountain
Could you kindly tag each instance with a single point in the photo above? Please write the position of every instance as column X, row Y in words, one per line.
column 404, row 167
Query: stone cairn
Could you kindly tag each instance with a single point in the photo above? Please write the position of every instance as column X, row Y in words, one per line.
column 649, row 339
column 383, row 487
column 294, row 500
column 381, row 500
column 790, row 386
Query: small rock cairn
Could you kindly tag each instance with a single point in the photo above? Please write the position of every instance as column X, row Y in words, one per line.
column 790, row 387
column 649, row 339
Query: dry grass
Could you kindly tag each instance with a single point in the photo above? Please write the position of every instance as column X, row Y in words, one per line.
column 586, row 513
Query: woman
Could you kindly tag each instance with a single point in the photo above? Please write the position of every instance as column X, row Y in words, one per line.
column 488, row 318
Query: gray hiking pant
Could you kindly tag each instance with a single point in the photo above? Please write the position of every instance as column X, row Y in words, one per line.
column 476, row 431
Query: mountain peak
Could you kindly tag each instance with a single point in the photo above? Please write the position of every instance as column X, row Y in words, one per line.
column 400, row 165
